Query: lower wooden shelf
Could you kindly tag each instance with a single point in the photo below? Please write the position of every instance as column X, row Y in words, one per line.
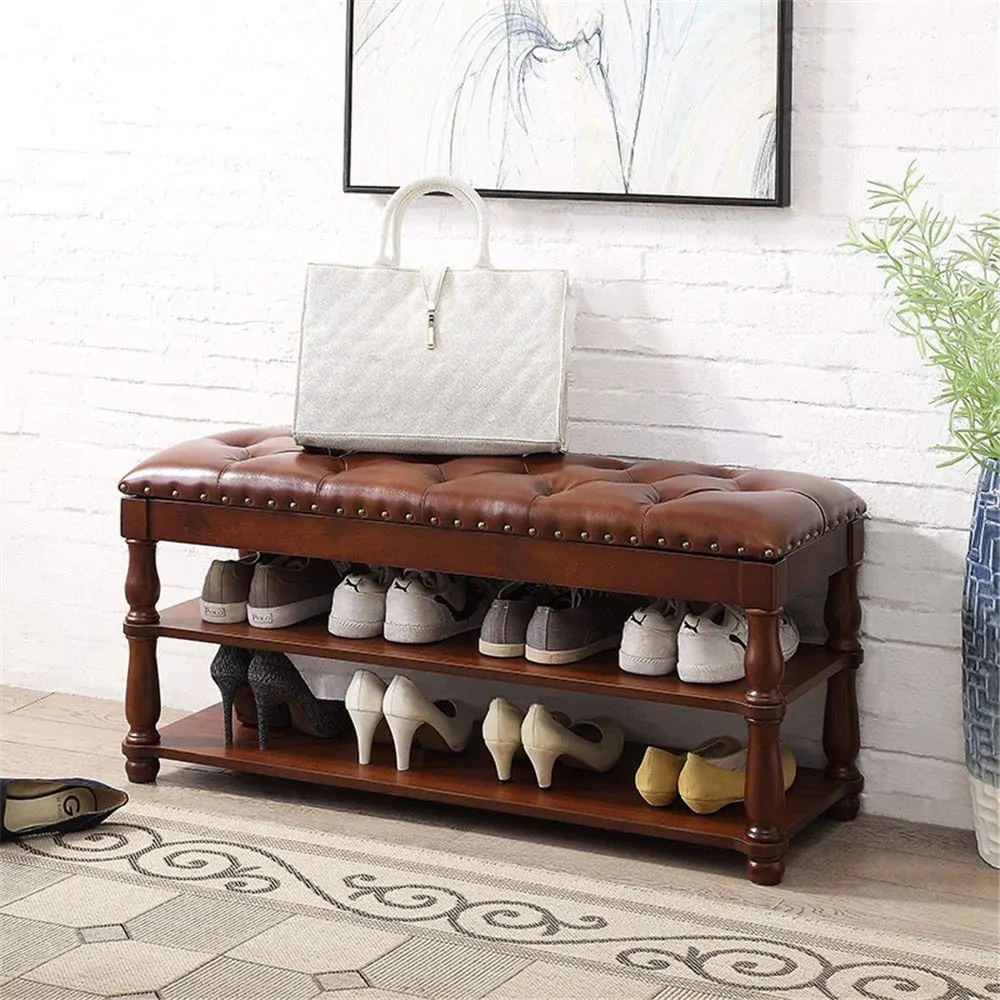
column 608, row 801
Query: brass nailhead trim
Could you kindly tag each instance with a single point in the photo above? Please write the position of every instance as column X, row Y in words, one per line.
column 661, row 542
column 608, row 536
column 147, row 489
column 584, row 536
column 175, row 493
column 315, row 506
column 271, row 503
column 385, row 515
column 740, row 550
column 202, row 496
column 713, row 546
column 224, row 498
column 123, row 487
column 508, row 528
column 685, row 544
column 248, row 501
column 481, row 525
column 434, row 520
column 633, row 539
column 457, row 523
column 339, row 511
column 768, row 553
column 293, row 505
column 361, row 512
column 407, row 517
column 532, row 532
column 557, row 533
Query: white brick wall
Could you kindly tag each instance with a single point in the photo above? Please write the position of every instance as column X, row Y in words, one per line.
column 167, row 169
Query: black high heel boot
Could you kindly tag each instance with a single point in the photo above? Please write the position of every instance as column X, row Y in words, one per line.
column 229, row 671
column 275, row 681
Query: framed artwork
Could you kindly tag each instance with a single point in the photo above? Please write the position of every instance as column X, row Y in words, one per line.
column 621, row 100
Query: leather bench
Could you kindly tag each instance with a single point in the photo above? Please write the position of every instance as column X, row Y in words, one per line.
column 673, row 528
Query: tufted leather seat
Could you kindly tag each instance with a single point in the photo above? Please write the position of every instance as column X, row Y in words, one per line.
column 681, row 506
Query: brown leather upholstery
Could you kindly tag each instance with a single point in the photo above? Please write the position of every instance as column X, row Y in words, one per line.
column 582, row 498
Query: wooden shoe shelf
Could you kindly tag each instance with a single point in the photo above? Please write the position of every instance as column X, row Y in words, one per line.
column 760, row 828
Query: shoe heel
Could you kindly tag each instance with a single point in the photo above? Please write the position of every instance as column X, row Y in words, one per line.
column 542, row 760
column 503, row 757
column 228, row 697
column 264, row 708
column 403, row 731
column 365, row 723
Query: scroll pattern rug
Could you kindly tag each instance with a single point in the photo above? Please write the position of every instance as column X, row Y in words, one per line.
column 183, row 906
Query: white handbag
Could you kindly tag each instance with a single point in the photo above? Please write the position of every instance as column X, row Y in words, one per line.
column 433, row 360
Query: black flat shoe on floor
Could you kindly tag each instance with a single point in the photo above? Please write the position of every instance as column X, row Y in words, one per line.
column 54, row 805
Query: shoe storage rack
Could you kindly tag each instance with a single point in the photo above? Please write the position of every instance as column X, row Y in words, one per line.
column 760, row 828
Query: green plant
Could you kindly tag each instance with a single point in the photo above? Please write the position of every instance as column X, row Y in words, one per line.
column 947, row 291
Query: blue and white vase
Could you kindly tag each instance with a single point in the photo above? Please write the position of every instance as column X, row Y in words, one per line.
column 981, row 662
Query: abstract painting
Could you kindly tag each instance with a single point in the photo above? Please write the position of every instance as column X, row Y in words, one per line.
column 629, row 100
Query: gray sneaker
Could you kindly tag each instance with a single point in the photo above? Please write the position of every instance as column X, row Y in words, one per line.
column 506, row 622
column 226, row 589
column 581, row 624
column 291, row 589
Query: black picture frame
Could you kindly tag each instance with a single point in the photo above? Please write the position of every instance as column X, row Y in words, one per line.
column 783, row 152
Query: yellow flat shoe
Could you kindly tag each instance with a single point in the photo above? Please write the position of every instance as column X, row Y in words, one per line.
column 707, row 786
column 656, row 779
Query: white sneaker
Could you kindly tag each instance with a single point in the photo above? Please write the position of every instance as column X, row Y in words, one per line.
column 428, row 607
column 711, row 646
column 649, row 639
column 358, row 609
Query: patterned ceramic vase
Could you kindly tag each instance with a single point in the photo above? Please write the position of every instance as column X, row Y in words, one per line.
column 981, row 662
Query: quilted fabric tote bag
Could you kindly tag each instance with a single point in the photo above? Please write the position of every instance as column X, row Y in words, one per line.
column 433, row 360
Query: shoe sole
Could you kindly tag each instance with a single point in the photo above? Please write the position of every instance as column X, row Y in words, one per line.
column 557, row 656
column 349, row 628
column 289, row 614
column 709, row 673
column 502, row 649
column 222, row 614
column 417, row 634
column 649, row 666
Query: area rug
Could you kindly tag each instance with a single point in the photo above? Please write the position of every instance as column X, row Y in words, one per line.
column 185, row 906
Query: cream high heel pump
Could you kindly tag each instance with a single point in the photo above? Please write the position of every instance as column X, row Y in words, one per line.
column 406, row 710
column 502, row 733
column 596, row 743
column 363, row 701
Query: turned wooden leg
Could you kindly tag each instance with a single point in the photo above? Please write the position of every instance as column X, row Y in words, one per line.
column 841, row 731
column 764, row 789
column 142, row 689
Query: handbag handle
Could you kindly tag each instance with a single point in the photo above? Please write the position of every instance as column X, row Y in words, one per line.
column 392, row 217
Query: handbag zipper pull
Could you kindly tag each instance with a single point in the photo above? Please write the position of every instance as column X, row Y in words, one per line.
column 431, row 330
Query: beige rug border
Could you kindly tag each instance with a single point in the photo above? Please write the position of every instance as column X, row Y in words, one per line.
column 583, row 888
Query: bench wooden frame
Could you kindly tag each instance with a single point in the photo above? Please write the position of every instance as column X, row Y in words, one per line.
column 760, row 829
